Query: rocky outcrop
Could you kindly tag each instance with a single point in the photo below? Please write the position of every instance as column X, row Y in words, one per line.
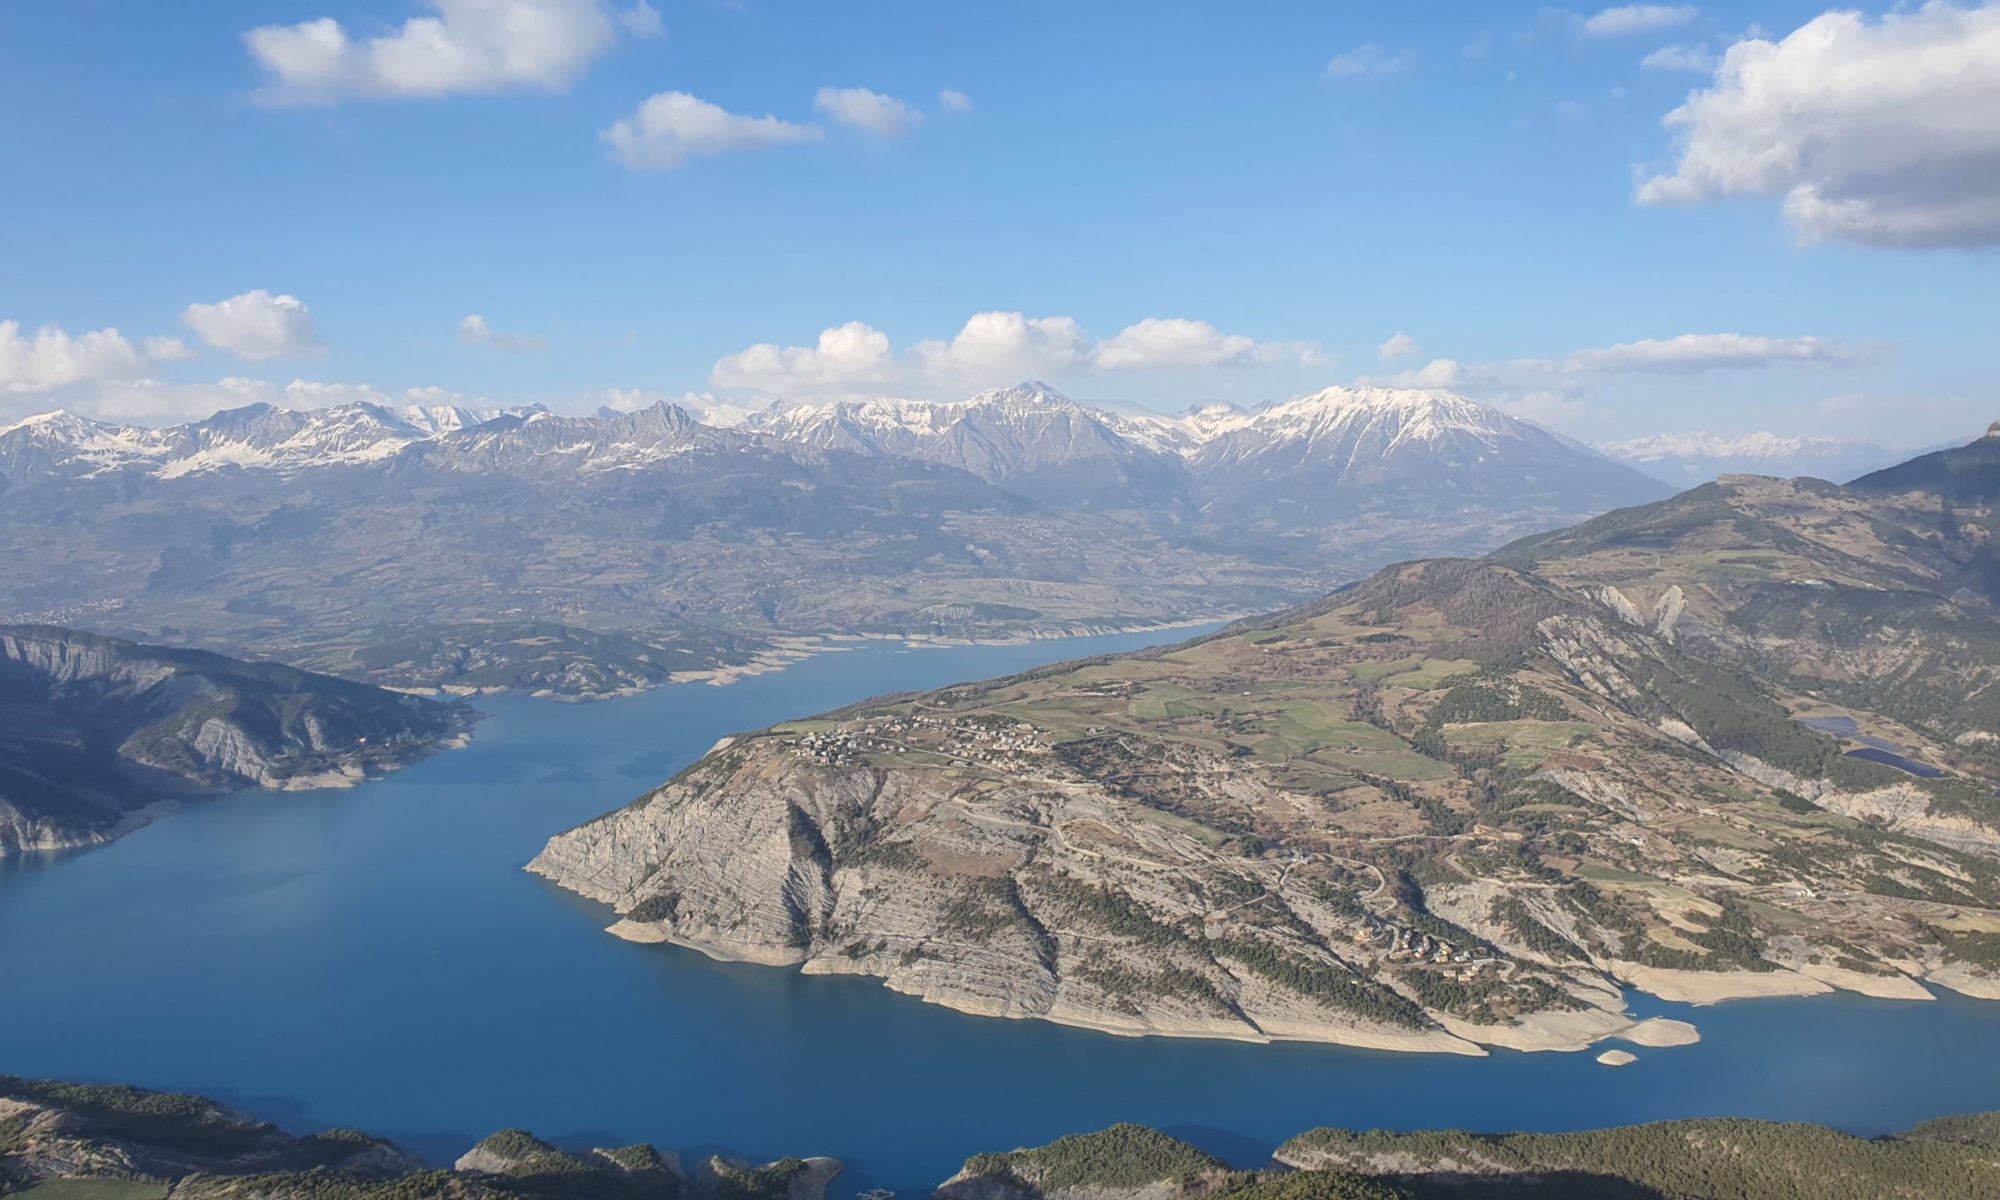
column 98, row 734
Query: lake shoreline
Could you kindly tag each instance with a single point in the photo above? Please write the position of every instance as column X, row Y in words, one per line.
column 287, row 916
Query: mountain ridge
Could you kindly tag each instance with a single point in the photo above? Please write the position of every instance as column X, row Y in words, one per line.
column 322, row 537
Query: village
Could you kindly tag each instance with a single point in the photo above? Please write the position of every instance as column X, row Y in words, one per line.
column 984, row 742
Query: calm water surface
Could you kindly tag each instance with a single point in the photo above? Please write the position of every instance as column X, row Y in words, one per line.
column 376, row 958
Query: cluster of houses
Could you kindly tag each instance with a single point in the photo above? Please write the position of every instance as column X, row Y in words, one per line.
column 989, row 742
column 838, row 748
column 1402, row 944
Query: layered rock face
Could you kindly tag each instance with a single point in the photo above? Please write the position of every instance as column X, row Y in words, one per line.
column 96, row 731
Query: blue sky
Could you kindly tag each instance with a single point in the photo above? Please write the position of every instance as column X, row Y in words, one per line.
column 1470, row 181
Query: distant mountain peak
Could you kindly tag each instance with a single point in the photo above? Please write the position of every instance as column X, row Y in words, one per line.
column 1032, row 391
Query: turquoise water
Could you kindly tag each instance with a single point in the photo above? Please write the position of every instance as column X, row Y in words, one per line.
column 376, row 958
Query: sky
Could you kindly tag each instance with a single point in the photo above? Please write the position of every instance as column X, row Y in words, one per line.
column 1616, row 221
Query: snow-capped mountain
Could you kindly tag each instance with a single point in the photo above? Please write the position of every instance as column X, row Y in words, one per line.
column 1343, row 452
column 542, row 443
column 1686, row 459
column 254, row 437
column 1029, row 438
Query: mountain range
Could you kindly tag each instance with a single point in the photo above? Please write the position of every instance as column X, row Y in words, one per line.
column 414, row 545
column 1738, row 742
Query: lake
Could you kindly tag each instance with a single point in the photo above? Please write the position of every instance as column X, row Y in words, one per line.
column 376, row 958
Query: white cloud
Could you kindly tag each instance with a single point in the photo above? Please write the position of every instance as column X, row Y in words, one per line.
column 954, row 100
column 1699, row 59
column 1004, row 345
column 1692, row 353
column 1628, row 19
column 52, row 358
column 470, row 46
column 1555, row 391
column 992, row 348
column 1177, row 343
column 1399, row 345
column 1369, row 59
column 1437, row 373
column 845, row 356
column 859, row 108
column 255, row 325
column 474, row 331
column 672, row 127
column 1882, row 132
column 642, row 20
column 1544, row 408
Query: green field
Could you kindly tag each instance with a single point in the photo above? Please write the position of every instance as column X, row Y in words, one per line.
column 1527, row 742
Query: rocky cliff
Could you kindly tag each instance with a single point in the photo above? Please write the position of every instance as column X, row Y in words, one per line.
column 96, row 733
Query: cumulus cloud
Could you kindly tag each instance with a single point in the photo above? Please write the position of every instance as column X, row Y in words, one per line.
column 470, row 46
column 991, row 348
column 474, row 331
column 52, row 358
column 672, row 127
column 1004, row 345
column 1692, row 353
column 1883, row 132
column 1369, row 59
column 1437, row 373
column 1628, row 19
column 1178, row 343
column 844, row 357
column 1399, row 345
column 954, row 100
column 1699, row 59
column 872, row 112
column 255, row 325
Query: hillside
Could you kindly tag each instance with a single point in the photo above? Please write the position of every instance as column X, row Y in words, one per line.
column 95, row 731
column 184, row 1147
column 1733, row 744
column 141, row 1145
